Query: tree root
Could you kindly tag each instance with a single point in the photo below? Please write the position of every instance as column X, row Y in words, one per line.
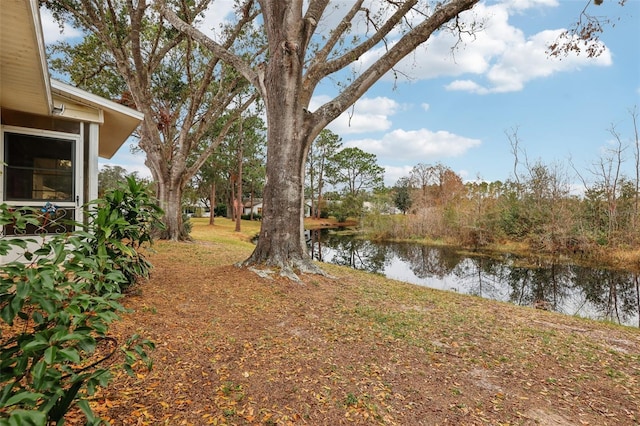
column 292, row 269
column 262, row 273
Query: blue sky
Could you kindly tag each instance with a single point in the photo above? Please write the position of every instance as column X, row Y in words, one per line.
column 455, row 109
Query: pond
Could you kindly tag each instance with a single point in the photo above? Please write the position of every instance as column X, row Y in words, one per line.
column 602, row 294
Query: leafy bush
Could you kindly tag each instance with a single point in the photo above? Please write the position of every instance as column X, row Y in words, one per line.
column 57, row 305
column 349, row 206
column 220, row 210
column 121, row 223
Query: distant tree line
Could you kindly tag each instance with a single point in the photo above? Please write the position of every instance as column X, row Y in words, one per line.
column 538, row 206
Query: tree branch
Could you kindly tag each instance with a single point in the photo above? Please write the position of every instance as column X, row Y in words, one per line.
column 408, row 43
column 218, row 50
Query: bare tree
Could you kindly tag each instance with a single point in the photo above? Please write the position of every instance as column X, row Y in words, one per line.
column 608, row 175
column 422, row 176
column 514, row 142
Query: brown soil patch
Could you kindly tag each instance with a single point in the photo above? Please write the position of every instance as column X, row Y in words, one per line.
column 237, row 349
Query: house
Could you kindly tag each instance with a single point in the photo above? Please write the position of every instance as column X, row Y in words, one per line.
column 256, row 207
column 51, row 133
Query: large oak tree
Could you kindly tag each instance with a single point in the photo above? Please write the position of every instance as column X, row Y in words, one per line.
column 131, row 54
column 297, row 60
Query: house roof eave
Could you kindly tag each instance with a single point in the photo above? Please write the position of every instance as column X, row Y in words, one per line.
column 117, row 122
column 24, row 75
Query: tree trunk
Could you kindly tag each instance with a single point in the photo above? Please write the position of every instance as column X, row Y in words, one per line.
column 319, row 201
column 311, row 193
column 239, row 202
column 251, row 203
column 281, row 241
column 212, row 204
column 170, row 198
column 230, row 196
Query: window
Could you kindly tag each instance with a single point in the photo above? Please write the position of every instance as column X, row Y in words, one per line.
column 38, row 168
column 40, row 176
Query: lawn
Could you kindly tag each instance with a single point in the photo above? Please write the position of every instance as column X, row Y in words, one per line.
column 237, row 349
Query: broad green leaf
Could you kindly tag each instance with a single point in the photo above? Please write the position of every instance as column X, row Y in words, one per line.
column 74, row 336
column 35, row 345
column 70, row 354
column 27, row 418
column 7, row 313
column 86, row 409
column 22, row 289
column 24, row 397
column 39, row 371
column 50, row 354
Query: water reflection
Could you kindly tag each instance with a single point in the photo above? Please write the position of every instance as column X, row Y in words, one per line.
column 574, row 290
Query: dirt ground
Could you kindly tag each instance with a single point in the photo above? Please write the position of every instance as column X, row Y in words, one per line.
column 237, row 349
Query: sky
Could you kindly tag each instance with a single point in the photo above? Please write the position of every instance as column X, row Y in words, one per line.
column 460, row 108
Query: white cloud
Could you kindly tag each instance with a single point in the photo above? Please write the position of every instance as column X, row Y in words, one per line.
column 529, row 60
column 529, row 4
column 425, row 106
column 218, row 13
column 366, row 115
column 416, row 145
column 51, row 29
column 128, row 161
column 393, row 173
column 464, row 174
column 502, row 57
column 438, row 57
column 466, row 86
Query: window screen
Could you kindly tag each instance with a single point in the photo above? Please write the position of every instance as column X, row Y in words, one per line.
column 38, row 168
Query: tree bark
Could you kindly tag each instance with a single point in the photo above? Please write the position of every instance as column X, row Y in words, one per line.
column 239, row 182
column 251, row 204
column 170, row 198
column 212, row 204
column 281, row 241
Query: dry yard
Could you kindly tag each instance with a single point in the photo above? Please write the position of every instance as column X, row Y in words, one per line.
column 234, row 348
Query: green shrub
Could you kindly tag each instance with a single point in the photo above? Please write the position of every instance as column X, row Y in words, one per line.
column 122, row 222
column 57, row 305
column 220, row 210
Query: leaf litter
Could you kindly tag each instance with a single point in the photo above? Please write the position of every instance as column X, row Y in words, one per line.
column 233, row 348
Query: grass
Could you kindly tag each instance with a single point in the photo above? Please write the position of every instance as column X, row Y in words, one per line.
column 223, row 231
